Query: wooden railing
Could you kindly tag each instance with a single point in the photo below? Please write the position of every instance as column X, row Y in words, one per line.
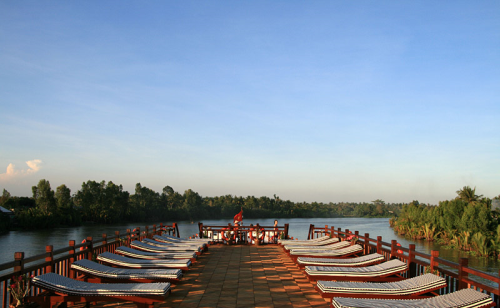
column 59, row 261
column 243, row 234
column 457, row 275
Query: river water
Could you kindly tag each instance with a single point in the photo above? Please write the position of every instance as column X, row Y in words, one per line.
column 33, row 242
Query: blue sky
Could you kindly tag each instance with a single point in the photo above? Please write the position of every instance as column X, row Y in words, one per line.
column 313, row 101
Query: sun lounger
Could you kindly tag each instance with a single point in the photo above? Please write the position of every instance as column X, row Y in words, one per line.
column 365, row 260
column 327, row 253
column 99, row 273
column 140, row 254
column 172, row 239
column 60, row 289
column 336, row 245
column 463, row 298
column 121, row 261
column 193, row 246
column 289, row 241
column 151, row 248
column 416, row 287
column 379, row 272
column 292, row 246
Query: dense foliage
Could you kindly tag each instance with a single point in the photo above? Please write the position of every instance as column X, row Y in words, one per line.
column 467, row 223
column 109, row 203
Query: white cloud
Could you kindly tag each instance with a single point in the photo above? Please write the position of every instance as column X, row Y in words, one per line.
column 12, row 173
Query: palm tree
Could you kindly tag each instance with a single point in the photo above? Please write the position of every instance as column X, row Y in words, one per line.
column 468, row 194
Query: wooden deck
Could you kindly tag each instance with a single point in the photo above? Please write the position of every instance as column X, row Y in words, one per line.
column 242, row 276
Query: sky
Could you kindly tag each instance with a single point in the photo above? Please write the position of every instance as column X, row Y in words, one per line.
column 326, row 101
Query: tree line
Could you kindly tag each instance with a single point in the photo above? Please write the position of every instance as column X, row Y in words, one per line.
column 467, row 222
column 106, row 202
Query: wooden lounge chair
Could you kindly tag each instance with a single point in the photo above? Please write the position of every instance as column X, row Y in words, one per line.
column 289, row 241
column 293, row 246
column 99, row 273
column 193, row 246
column 151, row 248
column 463, row 298
column 60, row 289
column 416, row 287
column 379, row 272
column 173, row 239
column 134, row 253
column 365, row 260
column 342, row 250
column 122, row 261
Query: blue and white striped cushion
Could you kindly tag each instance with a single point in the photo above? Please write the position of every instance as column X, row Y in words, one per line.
column 115, row 259
column 103, row 271
column 328, row 252
column 466, row 298
column 357, row 261
column 385, row 268
column 58, row 283
column 154, row 255
column 410, row 286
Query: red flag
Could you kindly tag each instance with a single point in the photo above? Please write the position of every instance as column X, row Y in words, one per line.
column 238, row 217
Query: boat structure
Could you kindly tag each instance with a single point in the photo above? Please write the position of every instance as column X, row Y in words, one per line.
column 243, row 266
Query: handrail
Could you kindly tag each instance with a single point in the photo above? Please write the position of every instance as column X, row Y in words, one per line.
column 242, row 234
column 60, row 260
column 457, row 277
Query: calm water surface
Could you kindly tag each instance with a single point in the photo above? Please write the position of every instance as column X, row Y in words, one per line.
column 34, row 242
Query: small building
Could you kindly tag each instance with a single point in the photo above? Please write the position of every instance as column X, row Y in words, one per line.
column 6, row 211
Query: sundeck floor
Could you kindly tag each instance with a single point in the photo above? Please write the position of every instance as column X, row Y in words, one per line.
column 242, row 276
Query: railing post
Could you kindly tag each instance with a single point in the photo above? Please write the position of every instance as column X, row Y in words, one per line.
column 105, row 242
column 286, row 231
column 257, row 237
column 117, row 239
column 200, row 229
column 367, row 244
column 129, row 237
column 90, row 247
column 412, row 265
column 147, row 234
column 463, row 262
column 434, row 264
column 161, row 229
column 176, row 230
column 311, row 228
column 338, row 232
column 72, row 258
column 138, row 233
column 393, row 248
column 49, row 268
column 379, row 244
column 326, row 229
column 332, row 230
column 346, row 232
column 19, row 258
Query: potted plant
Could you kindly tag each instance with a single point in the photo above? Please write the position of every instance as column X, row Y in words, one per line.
column 19, row 287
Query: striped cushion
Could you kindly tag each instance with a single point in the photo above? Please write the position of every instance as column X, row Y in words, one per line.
column 462, row 298
column 410, row 286
column 115, row 259
column 154, row 255
column 58, row 283
column 289, row 241
column 385, row 268
column 357, row 261
column 348, row 249
column 103, row 271
column 151, row 248
column 314, row 244
column 193, row 246
column 171, row 239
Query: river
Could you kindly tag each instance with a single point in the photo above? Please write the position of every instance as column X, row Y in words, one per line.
column 33, row 242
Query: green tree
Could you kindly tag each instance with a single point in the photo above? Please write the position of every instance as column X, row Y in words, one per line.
column 468, row 194
column 44, row 197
